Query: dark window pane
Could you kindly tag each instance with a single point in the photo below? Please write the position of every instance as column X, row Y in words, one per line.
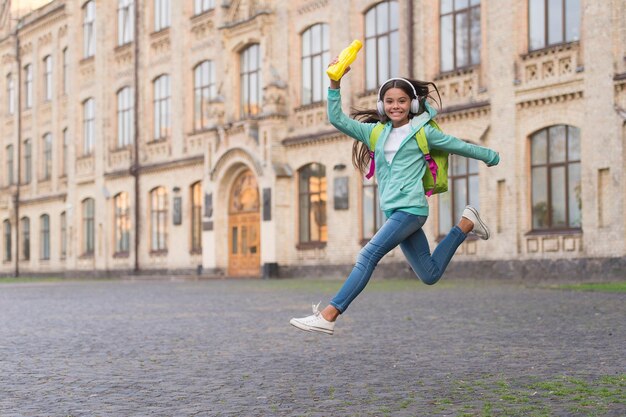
column 558, row 196
column 540, row 198
column 575, row 198
column 557, row 144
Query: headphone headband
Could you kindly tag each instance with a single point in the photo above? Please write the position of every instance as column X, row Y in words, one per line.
column 397, row 79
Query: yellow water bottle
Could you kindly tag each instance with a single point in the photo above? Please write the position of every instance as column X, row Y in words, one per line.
column 346, row 57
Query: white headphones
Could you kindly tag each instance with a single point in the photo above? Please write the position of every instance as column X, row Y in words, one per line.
column 415, row 103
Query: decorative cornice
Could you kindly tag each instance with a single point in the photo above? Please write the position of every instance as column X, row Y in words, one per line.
column 466, row 111
column 43, row 199
column 312, row 5
column 325, row 136
column 542, row 101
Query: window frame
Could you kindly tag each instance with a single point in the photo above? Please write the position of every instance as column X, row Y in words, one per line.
column 10, row 164
column 203, row 93
column 545, row 25
column 121, row 233
column 10, row 94
column 63, row 235
column 378, row 215
column 195, row 192
column 158, row 220
column 374, row 38
column 313, row 63
column 89, row 30
column 125, row 117
column 162, row 19
column 550, row 167
column 89, row 124
column 46, row 160
column 47, row 79
column 44, row 241
column 25, row 238
column 305, row 242
column 28, row 86
column 161, row 104
column 203, row 6
column 249, row 71
column 8, row 240
column 125, row 22
column 28, row 161
column 88, row 225
column 472, row 7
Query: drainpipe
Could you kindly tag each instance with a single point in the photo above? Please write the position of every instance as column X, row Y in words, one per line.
column 410, row 33
column 18, row 107
column 134, row 170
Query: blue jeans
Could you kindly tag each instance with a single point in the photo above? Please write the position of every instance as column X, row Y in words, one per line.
column 402, row 229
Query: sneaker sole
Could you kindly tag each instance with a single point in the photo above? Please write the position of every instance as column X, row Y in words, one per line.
column 484, row 226
column 307, row 328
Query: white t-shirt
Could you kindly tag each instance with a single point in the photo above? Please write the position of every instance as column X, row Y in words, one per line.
column 396, row 136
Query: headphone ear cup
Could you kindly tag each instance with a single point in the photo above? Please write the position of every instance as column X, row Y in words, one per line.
column 380, row 107
column 415, row 106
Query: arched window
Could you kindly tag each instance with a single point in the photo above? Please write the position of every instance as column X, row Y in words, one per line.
column 25, row 228
column 462, row 190
column 315, row 59
column 204, row 91
column 122, row 223
column 196, row 217
column 89, row 29
column 158, row 219
column 250, row 80
column 312, row 193
column 459, row 34
column 382, row 44
column 10, row 94
column 28, row 86
column 44, row 240
column 10, row 165
column 161, row 105
column 125, row 106
column 89, row 229
column 552, row 22
column 555, row 175
column 162, row 14
column 28, row 161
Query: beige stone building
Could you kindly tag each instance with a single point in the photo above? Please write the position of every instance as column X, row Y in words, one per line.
column 150, row 136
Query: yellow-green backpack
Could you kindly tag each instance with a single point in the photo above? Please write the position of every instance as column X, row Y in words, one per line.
column 435, row 178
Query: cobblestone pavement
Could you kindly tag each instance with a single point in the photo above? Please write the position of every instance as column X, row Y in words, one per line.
column 225, row 348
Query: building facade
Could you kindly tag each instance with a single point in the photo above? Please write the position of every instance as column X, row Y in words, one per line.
column 151, row 136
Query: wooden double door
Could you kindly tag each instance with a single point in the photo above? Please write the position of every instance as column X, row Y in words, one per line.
column 244, row 223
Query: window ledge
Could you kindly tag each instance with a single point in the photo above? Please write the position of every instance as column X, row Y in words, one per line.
column 310, row 245
column 554, row 232
column 118, row 255
column 550, row 49
column 161, row 252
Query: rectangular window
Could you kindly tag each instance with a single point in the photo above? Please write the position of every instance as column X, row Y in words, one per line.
column 553, row 22
column 63, row 237
column 382, row 50
column 44, row 228
column 47, row 78
column 312, row 205
column 28, row 161
column 65, row 64
column 64, row 150
column 460, row 34
column 250, row 81
column 125, row 21
column 122, row 223
column 315, row 57
column 28, row 86
column 205, row 91
column 161, row 15
column 125, row 117
column 10, row 167
column 158, row 219
column 89, row 29
column 196, row 218
column 7, row 240
column 88, row 227
column 161, row 104
column 372, row 216
column 201, row 6
column 25, row 227
column 88, row 126
column 10, row 94
column 47, row 156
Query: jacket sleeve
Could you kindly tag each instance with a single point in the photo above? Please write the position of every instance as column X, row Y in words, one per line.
column 439, row 140
column 353, row 128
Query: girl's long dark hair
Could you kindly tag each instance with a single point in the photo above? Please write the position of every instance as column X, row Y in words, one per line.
column 360, row 152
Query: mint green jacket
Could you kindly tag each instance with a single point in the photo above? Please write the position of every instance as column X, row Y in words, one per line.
column 400, row 182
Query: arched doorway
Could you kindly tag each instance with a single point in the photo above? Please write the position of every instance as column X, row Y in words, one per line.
column 244, row 252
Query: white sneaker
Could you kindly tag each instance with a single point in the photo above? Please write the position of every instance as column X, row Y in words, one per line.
column 480, row 228
column 314, row 322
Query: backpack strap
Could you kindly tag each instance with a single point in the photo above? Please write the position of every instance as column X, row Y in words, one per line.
column 374, row 135
column 420, row 136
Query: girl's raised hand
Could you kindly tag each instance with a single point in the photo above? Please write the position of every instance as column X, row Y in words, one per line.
column 335, row 85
